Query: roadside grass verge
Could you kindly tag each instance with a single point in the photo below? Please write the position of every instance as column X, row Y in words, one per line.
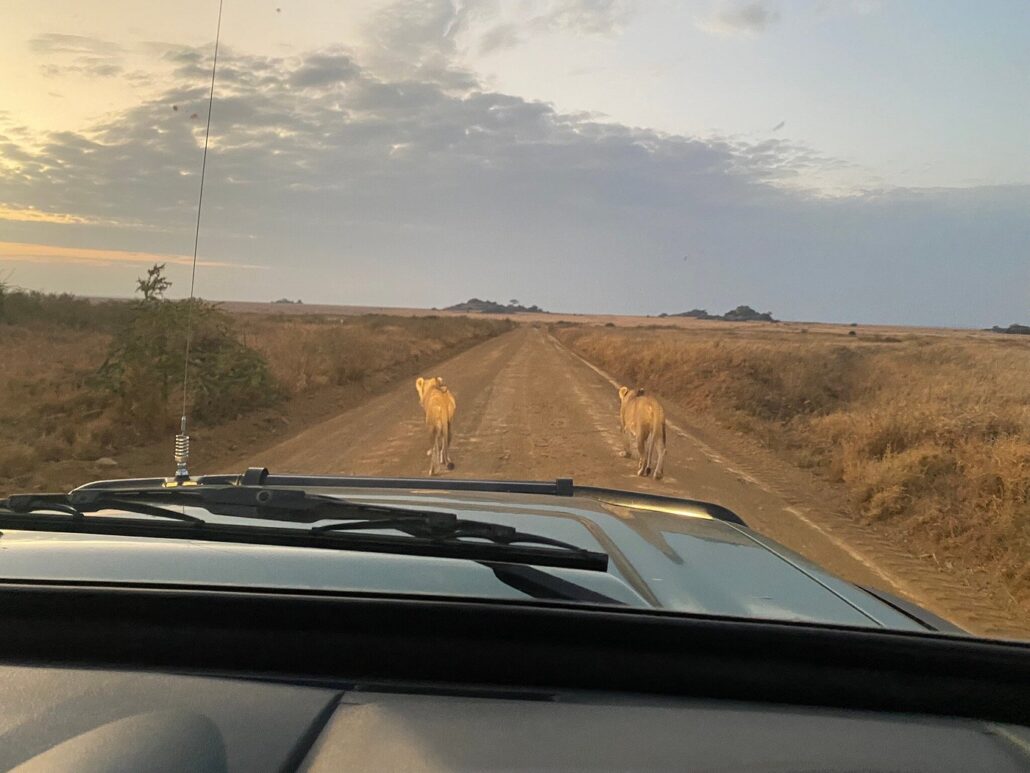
column 309, row 352
column 59, row 414
column 929, row 433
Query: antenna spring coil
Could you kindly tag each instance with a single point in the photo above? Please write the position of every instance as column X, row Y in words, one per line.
column 182, row 456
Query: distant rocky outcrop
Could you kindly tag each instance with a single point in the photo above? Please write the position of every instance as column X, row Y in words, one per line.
column 747, row 314
column 287, row 300
column 739, row 314
column 1021, row 330
column 493, row 307
column 694, row 313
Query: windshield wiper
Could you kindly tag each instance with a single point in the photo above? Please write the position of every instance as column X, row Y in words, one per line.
column 533, row 582
column 428, row 533
column 544, row 585
column 436, row 525
column 260, row 502
column 60, row 503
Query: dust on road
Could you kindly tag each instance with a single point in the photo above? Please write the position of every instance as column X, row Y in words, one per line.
column 529, row 409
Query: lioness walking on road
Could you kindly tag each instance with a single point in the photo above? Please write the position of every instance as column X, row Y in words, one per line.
column 438, row 403
column 643, row 421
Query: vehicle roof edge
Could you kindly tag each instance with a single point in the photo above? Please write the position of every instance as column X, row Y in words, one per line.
column 560, row 487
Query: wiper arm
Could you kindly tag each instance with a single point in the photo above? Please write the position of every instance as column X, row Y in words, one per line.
column 260, row 502
column 447, row 526
column 543, row 585
column 61, row 503
column 40, row 503
column 528, row 579
column 297, row 506
column 428, row 533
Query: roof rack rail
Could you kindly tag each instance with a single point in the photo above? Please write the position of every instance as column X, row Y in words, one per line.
column 562, row 487
column 259, row 476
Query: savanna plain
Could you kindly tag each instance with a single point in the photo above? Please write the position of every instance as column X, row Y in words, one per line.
column 921, row 437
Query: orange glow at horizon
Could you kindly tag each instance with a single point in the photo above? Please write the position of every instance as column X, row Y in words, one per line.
column 23, row 252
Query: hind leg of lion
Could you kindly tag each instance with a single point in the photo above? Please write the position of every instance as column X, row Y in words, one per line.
column 434, row 452
column 659, row 465
column 649, row 452
column 447, row 462
column 642, row 455
column 441, row 451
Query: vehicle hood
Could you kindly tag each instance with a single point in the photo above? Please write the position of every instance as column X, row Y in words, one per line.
column 659, row 559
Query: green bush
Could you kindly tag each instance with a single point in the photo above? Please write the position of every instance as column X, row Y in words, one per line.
column 20, row 307
column 144, row 367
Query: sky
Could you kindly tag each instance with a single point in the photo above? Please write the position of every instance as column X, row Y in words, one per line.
column 836, row 160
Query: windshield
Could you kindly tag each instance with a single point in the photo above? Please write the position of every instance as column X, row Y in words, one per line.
column 762, row 254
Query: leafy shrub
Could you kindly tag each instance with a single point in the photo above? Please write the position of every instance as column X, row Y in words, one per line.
column 145, row 364
column 23, row 307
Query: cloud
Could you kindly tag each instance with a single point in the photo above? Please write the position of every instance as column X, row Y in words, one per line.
column 499, row 37
column 416, row 39
column 324, row 70
column 365, row 183
column 90, row 66
column 77, row 55
column 20, row 252
column 593, row 17
column 435, row 34
column 78, row 45
column 751, row 18
column 577, row 17
column 734, row 19
column 33, row 215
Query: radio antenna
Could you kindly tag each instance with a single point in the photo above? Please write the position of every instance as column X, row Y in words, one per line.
column 182, row 440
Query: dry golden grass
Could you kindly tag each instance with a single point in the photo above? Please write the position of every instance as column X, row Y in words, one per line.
column 309, row 352
column 930, row 433
column 41, row 383
column 53, row 412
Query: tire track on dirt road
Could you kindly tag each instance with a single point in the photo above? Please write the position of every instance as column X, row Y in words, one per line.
column 528, row 408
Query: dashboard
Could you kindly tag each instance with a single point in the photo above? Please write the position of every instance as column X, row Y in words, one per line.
column 124, row 677
column 61, row 719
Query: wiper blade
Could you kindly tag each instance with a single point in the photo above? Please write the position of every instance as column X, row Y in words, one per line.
column 61, row 503
column 435, row 525
column 40, row 503
column 427, row 533
column 297, row 506
column 260, row 502
column 543, row 585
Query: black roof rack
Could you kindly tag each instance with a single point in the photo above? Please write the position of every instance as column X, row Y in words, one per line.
column 561, row 487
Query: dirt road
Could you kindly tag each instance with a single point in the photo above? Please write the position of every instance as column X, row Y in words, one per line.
column 530, row 409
